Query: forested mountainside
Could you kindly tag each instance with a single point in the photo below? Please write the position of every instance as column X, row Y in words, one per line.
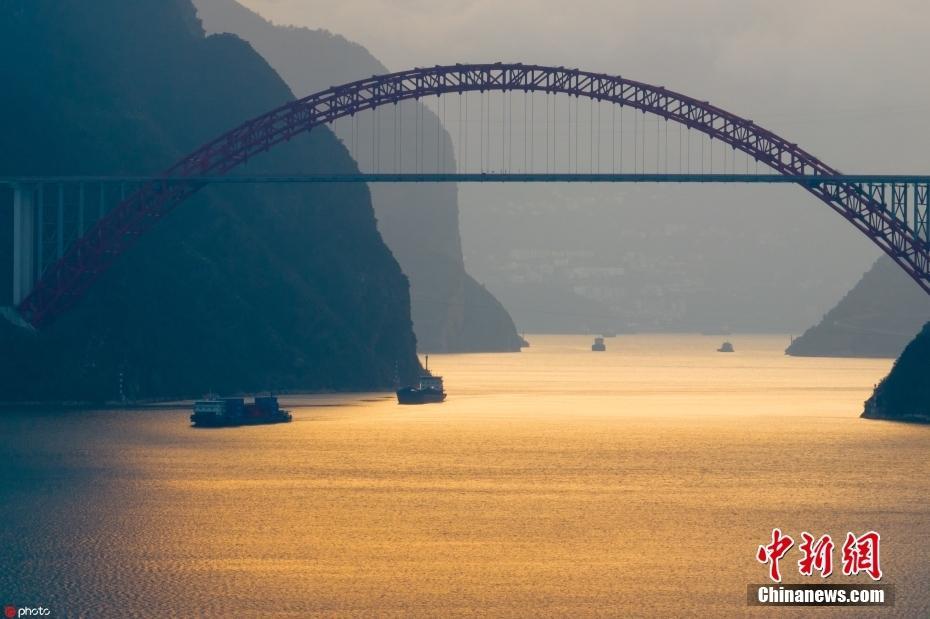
column 239, row 289
column 877, row 318
column 451, row 311
column 904, row 394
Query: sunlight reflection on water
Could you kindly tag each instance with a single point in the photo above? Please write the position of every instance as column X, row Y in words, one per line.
column 556, row 481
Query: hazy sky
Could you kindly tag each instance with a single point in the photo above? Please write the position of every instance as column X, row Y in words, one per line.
column 845, row 78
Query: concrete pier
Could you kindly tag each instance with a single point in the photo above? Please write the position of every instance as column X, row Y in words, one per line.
column 24, row 241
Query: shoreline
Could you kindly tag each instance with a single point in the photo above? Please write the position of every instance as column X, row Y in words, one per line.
column 168, row 404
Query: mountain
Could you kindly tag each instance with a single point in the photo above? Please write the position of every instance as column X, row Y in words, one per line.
column 877, row 318
column 240, row 289
column 904, row 394
column 662, row 257
column 451, row 311
column 544, row 303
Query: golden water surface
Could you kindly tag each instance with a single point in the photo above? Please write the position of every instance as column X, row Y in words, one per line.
column 557, row 481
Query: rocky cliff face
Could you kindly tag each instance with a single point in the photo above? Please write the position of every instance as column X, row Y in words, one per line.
column 877, row 318
column 240, row 289
column 451, row 311
column 904, row 394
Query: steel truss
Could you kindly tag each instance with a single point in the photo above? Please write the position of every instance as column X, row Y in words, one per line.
column 897, row 223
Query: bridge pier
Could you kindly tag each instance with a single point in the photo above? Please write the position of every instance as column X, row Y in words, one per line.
column 40, row 232
column 24, row 241
column 60, row 223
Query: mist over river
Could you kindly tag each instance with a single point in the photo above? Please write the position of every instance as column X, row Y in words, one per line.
column 558, row 481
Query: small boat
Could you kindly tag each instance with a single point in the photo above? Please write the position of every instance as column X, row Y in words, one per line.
column 225, row 412
column 598, row 345
column 726, row 347
column 429, row 389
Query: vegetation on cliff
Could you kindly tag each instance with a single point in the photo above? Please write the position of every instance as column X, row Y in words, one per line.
column 240, row 289
column 877, row 318
column 451, row 311
column 905, row 393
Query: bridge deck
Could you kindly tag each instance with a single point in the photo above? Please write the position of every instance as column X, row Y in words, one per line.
column 482, row 178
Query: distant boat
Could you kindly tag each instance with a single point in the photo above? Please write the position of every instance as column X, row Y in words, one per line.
column 223, row 412
column 428, row 390
column 726, row 347
column 598, row 345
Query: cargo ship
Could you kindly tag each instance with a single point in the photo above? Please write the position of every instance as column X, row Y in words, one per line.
column 429, row 389
column 225, row 412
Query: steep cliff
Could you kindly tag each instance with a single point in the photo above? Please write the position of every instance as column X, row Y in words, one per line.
column 877, row 318
column 451, row 311
column 905, row 393
column 240, row 289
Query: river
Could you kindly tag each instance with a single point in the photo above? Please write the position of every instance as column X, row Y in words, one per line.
column 556, row 481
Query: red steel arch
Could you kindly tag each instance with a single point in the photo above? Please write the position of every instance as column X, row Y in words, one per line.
column 68, row 279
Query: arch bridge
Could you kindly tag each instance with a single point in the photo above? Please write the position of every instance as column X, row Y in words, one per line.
column 890, row 210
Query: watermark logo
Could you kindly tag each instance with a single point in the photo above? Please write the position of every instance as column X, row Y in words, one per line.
column 820, row 595
column 773, row 553
column 818, row 555
column 860, row 554
column 14, row 612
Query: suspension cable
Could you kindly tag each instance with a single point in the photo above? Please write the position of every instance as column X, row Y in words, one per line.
column 635, row 142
